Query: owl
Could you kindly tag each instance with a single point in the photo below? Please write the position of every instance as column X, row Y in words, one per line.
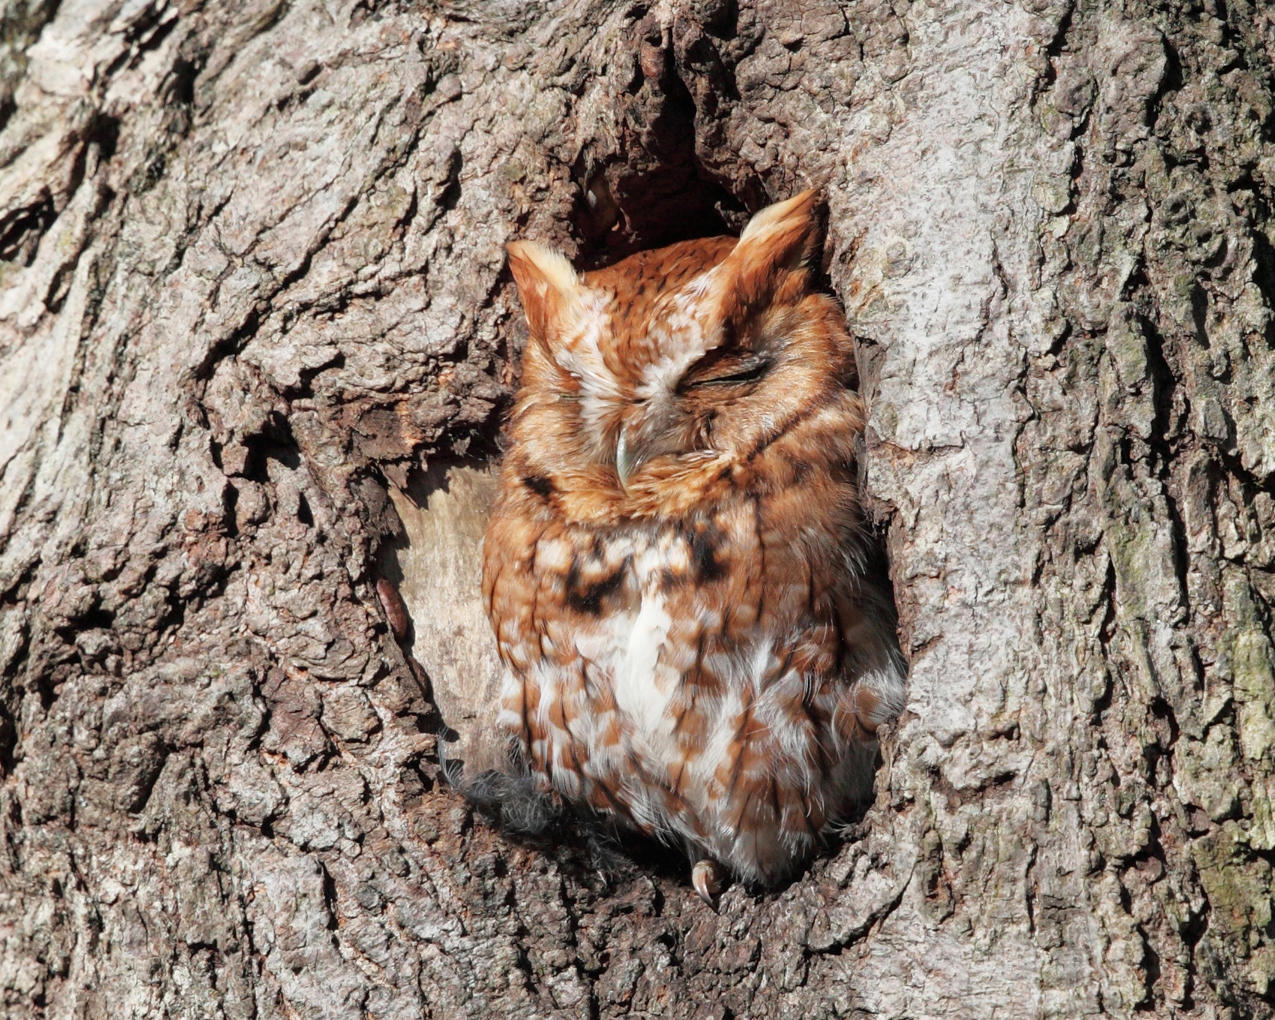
column 675, row 564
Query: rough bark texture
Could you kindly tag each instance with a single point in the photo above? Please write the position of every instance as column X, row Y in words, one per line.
column 252, row 298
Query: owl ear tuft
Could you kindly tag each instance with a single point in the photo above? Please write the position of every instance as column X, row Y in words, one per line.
column 547, row 284
column 780, row 238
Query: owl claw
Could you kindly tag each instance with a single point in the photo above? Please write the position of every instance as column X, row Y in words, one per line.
column 708, row 878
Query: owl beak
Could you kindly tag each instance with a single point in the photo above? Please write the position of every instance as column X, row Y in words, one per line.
column 625, row 462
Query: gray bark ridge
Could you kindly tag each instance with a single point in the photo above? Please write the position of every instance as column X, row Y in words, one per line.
column 252, row 300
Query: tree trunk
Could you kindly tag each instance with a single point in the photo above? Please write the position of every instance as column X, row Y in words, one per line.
column 256, row 337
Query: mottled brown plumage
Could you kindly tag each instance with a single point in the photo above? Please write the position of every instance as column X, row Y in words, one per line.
column 674, row 568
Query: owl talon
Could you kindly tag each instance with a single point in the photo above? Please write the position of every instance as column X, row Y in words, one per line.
column 708, row 877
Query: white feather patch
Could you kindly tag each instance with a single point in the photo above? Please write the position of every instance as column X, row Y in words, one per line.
column 636, row 690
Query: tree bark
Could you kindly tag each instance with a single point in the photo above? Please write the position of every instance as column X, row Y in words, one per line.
column 256, row 337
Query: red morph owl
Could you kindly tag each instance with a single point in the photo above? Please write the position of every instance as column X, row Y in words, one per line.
column 675, row 566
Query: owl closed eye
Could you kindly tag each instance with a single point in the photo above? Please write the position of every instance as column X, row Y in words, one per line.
column 674, row 568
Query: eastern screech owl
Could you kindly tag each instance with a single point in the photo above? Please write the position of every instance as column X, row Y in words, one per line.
column 675, row 564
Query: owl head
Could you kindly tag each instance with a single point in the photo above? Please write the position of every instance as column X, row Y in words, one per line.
column 679, row 364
